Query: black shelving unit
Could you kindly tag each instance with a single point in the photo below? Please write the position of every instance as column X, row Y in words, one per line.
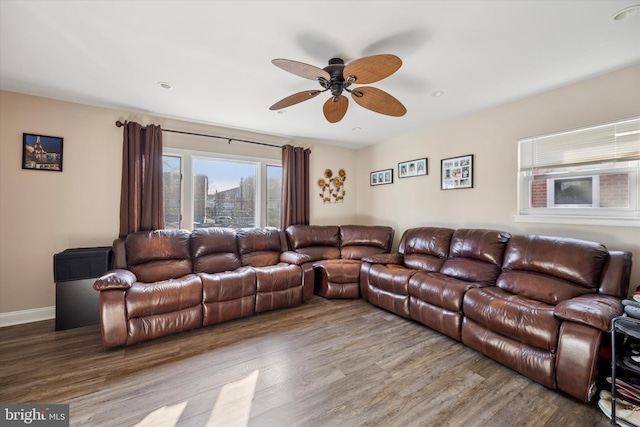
column 629, row 327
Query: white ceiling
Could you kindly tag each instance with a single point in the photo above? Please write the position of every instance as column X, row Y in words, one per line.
column 217, row 55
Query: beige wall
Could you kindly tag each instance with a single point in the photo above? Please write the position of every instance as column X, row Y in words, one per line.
column 335, row 158
column 43, row 213
column 491, row 136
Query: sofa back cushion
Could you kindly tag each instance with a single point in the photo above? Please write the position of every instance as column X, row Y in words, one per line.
column 317, row 241
column 259, row 247
column 358, row 241
column 616, row 274
column 476, row 255
column 214, row 250
column 159, row 255
column 425, row 248
column 552, row 269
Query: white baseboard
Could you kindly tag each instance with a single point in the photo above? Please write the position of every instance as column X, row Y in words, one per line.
column 27, row 316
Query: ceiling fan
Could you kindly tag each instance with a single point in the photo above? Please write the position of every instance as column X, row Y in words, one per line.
column 338, row 77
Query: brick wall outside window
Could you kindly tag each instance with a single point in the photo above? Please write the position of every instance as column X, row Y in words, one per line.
column 614, row 190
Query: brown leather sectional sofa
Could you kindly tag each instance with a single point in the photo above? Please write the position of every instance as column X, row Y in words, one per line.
column 168, row 281
column 537, row 304
column 540, row 305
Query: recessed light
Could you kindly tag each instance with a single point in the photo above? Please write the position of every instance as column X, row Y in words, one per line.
column 437, row 93
column 165, row 85
column 357, row 129
column 626, row 13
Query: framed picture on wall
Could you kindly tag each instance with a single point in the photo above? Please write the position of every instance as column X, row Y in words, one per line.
column 41, row 152
column 413, row 168
column 456, row 172
column 382, row 177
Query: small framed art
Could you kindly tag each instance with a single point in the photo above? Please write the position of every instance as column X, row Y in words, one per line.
column 413, row 168
column 457, row 172
column 41, row 152
column 381, row 177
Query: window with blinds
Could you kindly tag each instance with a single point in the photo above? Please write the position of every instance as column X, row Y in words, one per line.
column 591, row 172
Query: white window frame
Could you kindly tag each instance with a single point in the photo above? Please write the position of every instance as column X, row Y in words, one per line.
column 595, row 192
column 593, row 151
column 187, row 188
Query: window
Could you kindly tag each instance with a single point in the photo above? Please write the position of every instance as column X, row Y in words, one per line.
column 220, row 191
column 588, row 174
column 171, row 181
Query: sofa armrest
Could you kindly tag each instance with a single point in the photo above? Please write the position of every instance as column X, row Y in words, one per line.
column 293, row 257
column 594, row 310
column 384, row 259
column 115, row 279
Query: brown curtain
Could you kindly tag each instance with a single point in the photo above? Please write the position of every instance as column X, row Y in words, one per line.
column 295, row 186
column 141, row 199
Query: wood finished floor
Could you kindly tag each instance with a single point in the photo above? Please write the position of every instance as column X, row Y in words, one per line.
column 324, row 363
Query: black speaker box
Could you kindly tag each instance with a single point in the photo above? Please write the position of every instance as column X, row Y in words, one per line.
column 81, row 263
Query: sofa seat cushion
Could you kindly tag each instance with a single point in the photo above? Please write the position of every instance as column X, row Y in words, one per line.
column 522, row 319
column 338, row 278
column 278, row 286
column 339, row 270
column 277, row 277
column 228, row 295
column 158, row 325
column 388, row 287
column 316, row 253
column 439, row 290
column 535, row 363
column 540, row 287
column 471, row 270
column 166, row 296
column 440, row 319
column 391, row 278
column 229, row 285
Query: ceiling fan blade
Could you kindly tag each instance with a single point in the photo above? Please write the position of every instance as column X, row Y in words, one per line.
column 379, row 101
column 335, row 111
column 301, row 69
column 370, row 69
column 294, row 99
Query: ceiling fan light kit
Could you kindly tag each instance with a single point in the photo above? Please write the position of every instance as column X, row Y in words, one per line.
column 338, row 77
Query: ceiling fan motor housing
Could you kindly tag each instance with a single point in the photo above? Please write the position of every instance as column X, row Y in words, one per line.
column 336, row 83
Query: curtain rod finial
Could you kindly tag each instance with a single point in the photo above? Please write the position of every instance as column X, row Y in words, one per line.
column 119, row 124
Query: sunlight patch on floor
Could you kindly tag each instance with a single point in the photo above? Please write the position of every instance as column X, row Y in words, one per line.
column 167, row 416
column 233, row 406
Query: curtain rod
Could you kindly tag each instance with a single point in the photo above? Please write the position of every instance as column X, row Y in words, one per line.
column 120, row 124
